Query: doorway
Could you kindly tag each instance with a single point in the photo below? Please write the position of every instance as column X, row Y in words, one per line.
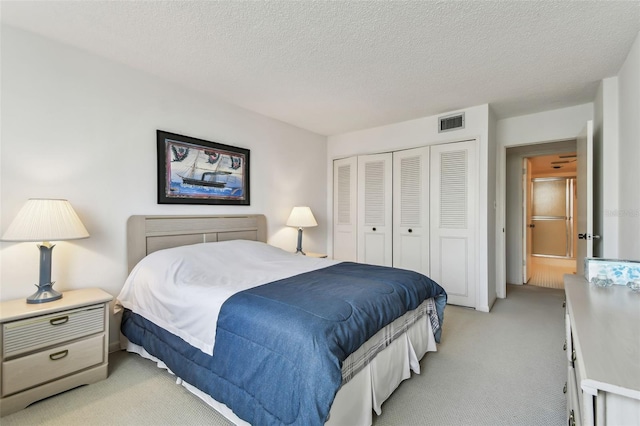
column 520, row 267
column 549, row 194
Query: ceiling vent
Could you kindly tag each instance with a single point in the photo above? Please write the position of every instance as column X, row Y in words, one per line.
column 451, row 122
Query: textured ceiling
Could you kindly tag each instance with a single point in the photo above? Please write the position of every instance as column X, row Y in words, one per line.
column 334, row 67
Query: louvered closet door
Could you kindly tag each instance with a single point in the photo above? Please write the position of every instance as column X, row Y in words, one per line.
column 374, row 209
column 345, row 176
column 453, row 222
column 411, row 209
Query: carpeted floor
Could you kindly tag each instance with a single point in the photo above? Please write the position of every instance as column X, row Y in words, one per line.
column 502, row 368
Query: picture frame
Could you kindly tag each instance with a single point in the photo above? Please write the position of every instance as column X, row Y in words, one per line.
column 196, row 171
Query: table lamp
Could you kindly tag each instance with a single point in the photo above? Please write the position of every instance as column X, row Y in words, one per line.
column 45, row 220
column 301, row 217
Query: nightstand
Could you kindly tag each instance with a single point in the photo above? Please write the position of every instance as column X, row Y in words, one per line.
column 52, row 347
column 321, row 255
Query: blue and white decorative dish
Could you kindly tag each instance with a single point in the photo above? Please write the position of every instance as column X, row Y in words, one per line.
column 621, row 272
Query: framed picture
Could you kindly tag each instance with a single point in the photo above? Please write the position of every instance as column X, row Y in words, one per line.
column 195, row 171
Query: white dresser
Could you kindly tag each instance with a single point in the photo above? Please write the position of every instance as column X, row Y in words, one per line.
column 603, row 353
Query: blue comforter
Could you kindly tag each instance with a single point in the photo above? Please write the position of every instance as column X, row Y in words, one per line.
column 280, row 346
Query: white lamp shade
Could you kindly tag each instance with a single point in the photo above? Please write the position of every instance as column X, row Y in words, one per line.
column 46, row 220
column 301, row 217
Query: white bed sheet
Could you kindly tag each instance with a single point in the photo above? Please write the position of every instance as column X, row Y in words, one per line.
column 182, row 289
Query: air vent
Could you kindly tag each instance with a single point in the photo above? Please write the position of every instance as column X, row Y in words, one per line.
column 451, row 122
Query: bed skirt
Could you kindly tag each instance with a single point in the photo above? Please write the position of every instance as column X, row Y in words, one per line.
column 371, row 385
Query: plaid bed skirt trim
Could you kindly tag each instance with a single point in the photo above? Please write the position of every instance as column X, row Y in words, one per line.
column 363, row 355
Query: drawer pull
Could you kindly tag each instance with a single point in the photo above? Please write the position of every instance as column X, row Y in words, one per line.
column 59, row 320
column 59, row 355
column 573, row 355
column 564, row 389
column 564, row 347
column 572, row 420
column 564, row 303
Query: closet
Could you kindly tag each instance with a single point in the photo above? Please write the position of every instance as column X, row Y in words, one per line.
column 345, row 190
column 374, row 226
column 413, row 209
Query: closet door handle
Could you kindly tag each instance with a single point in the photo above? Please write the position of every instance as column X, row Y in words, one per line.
column 564, row 347
column 564, row 389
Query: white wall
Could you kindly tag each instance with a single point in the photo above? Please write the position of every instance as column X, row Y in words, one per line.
column 422, row 132
column 548, row 126
column 79, row 127
column 494, row 247
column 628, row 166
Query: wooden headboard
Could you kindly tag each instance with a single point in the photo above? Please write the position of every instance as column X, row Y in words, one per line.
column 146, row 234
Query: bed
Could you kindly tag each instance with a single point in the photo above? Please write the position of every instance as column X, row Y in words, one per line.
column 277, row 355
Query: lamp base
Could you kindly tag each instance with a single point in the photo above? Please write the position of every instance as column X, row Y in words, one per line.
column 45, row 294
column 299, row 247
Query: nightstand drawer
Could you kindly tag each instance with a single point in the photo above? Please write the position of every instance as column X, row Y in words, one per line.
column 31, row 334
column 31, row 370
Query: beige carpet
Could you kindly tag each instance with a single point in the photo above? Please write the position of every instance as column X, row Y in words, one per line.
column 502, row 368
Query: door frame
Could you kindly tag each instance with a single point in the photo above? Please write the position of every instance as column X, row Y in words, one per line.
column 584, row 182
column 527, row 234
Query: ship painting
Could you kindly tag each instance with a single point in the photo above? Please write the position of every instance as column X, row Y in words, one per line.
column 214, row 179
column 198, row 172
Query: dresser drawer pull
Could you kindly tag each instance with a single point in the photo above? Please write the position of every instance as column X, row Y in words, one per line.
column 59, row 355
column 564, row 389
column 564, row 304
column 573, row 355
column 59, row 320
column 572, row 420
column 564, row 347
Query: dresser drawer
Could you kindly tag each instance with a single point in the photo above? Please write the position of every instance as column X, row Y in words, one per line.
column 568, row 342
column 35, row 369
column 574, row 410
column 28, row 335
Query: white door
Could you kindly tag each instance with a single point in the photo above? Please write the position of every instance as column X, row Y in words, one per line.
column 584, row 184
column 453, row 220
column 345, row 190
column 411, row 209
column 374, row 209
column 527, row 248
